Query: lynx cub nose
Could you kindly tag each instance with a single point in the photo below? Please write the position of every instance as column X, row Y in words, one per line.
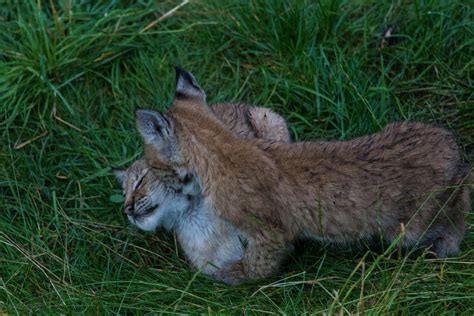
column 129, row 209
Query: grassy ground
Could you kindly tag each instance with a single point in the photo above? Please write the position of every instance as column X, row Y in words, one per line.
column 71, row 75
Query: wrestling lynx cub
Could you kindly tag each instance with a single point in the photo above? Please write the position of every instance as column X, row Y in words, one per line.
column 409, row 175
column 208, row 242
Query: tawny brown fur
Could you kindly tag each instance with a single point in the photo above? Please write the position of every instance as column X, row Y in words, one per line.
column 207, row 241
column 252, row 122
column 409, row 173
column 243, row 120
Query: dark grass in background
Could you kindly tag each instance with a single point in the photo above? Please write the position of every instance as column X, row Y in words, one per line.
column 71, row 74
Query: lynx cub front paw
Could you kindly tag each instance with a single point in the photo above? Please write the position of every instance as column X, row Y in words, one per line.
column 232, row 274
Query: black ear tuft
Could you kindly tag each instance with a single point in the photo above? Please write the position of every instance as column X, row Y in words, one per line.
column 187, row 86
column 186, row 76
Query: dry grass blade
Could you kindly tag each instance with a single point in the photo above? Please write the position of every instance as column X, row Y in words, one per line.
column 64, row 121
column 29, row 141
column 164, row 16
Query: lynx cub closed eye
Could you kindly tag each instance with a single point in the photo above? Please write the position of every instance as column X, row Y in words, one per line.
column 148, row 202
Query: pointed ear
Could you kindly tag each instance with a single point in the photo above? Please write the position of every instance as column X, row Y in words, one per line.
column 187, row 86
column 155, row 128
column 120, row 174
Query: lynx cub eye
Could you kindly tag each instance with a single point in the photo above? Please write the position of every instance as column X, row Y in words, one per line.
column 139, row 182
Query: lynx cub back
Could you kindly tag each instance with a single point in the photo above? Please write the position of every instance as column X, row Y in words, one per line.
column 175, row 202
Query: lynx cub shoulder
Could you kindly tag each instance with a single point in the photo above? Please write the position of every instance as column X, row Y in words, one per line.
column 174, row 203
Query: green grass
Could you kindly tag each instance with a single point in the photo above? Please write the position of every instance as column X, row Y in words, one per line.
column 71, row 75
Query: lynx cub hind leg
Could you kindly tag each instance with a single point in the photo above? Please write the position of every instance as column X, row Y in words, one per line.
column 269, row 125
column 252, row 122
column 450, row 238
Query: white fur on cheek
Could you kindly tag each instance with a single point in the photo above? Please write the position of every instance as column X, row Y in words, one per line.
column 165, row 215
column 149, row 223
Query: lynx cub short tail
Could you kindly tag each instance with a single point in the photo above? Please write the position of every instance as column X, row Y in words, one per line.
column 209, row 242
column 409, row 173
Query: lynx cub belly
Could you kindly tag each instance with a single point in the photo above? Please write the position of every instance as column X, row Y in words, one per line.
column 175, row 202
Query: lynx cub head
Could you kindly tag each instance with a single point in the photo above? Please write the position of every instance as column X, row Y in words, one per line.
column 150, row 203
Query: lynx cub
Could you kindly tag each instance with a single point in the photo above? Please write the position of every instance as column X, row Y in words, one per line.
column 408, row 175
column 208, row 242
